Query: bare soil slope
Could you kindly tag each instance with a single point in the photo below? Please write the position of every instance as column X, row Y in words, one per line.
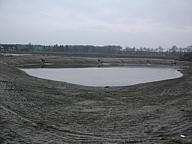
column 40, row 111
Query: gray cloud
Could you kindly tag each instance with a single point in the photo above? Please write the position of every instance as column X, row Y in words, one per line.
column 99, row 22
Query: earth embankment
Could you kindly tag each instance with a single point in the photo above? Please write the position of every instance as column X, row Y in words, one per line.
column 34, row 110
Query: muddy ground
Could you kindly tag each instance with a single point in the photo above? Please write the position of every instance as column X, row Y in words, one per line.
column 37, row 111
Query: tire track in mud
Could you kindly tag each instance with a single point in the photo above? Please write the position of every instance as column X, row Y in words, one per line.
column 172, row 91
column 8, row 90
column 14, row 113
column 76, row 135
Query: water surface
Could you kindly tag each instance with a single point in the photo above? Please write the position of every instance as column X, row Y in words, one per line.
column 114, row 76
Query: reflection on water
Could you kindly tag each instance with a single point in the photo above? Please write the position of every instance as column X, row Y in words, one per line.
column 115, row 76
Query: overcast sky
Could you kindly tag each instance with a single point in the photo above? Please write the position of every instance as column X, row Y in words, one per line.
column 148, row 23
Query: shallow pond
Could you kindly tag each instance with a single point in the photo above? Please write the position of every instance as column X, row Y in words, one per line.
column 113, row 76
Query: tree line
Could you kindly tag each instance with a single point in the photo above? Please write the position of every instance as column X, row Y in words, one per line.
column 111, row 49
